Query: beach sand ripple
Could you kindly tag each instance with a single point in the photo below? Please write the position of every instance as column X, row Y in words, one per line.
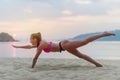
column 57, row 69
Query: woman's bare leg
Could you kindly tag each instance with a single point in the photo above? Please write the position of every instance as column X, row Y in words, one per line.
column 71, row 46
column 79, row 43
column 92, row 38
column 85, row 57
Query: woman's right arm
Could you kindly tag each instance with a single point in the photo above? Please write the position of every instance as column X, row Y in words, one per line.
column 25, row 47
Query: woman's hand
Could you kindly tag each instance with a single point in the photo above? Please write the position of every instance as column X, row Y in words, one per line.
column 34, row 62
column 36, row 58
column 14, row 46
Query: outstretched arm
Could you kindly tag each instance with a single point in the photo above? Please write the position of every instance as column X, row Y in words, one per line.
column 25, row 47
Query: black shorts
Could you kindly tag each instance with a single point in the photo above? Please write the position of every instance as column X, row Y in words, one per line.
column 61, row 48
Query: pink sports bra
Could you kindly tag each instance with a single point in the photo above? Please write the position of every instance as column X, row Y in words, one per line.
column 48, row 49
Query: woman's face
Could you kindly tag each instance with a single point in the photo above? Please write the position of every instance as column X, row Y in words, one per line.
column 33, row 41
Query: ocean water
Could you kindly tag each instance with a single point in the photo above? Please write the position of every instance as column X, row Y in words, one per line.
column 96, row 50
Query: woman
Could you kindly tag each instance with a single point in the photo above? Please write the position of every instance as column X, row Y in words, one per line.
column 69, row 46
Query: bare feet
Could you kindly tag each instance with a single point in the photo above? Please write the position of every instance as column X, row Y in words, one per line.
column 108, row 34
column 99, row 65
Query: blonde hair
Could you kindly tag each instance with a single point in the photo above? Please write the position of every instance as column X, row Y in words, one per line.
column 37, row 36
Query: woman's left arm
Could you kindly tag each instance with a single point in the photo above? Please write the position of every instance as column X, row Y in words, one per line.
column 39, row 50
column 36, row 58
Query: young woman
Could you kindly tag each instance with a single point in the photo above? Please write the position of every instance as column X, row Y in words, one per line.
column 65, row 45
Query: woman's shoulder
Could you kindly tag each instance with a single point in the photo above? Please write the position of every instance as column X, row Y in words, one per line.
column 43, row 42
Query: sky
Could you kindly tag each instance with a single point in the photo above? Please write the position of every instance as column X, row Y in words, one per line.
column 58, row 19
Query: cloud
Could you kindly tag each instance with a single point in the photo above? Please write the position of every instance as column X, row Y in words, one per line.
column 59, row 19
column 66, row 12
column 83, row 1
column 40, row 4
column 114, row 12
column 84, row 24
column 28, row 10
column 87, row 20
column 24, row 28
column 113, row 1
column 24, row 9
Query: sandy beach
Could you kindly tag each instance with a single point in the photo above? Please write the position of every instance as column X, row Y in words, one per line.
column 57, row 69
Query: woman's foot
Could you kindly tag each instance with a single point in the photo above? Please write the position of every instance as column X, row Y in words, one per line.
column 99, row 65
column 108, row 34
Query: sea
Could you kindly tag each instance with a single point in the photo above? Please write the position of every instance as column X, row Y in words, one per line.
column 97, row 50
